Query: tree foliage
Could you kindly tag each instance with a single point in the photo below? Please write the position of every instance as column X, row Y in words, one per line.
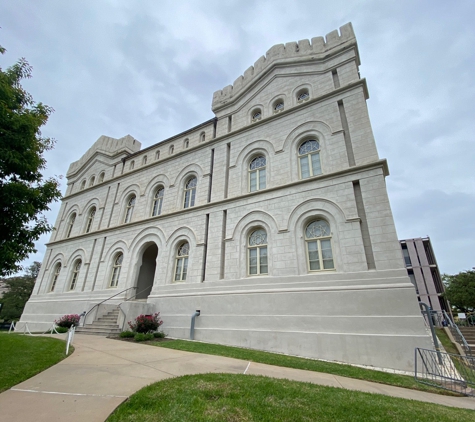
column 460, row 290
column 19, row 291
column 24, row 193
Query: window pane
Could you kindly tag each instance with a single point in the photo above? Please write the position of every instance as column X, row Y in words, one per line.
column 252, row 181
column 313, row 260
column 304, row 169
column 326, row 249
column 252, row 261
column 316, row 166
column 262, row 179
column 178, row 269
column 185, row 268
column 193, row 194
column 328, row 264
column 263, row 260
column 187, row 199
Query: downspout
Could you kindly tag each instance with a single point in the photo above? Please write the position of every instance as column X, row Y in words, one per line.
column 192, row 328
column 431, row 325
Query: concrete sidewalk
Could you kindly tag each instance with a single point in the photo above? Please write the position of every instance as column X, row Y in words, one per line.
column 102, row 373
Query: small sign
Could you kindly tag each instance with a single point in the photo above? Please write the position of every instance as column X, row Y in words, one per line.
column 462, row 315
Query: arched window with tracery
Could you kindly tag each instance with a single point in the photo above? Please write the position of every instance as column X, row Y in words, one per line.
column 54, row 280
column 181, row 262
column 309, row 158
column 129, row 209
column 318, row 245
column 116, row 267
column 90, row 219
column 71, row 221
column 75, row 274
column 257, row 174
column 257, row 253
column 190, row 192
column 158, row 201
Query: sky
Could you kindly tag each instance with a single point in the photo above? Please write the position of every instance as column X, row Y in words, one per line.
column 150, row 68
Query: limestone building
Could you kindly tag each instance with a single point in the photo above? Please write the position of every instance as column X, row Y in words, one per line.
column 272, row 218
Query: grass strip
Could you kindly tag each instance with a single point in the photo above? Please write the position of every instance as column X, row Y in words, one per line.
column 301, row 363
column 24, row 356
column 230, row 397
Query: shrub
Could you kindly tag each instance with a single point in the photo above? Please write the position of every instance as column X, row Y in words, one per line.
column 159, row 334
column 62, row 330
column 146, row 323
column 126, row 334
column 68, row 321
column 143, row 337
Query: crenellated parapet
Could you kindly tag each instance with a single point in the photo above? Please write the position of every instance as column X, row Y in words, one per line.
column 107, row 146
column 317, row 47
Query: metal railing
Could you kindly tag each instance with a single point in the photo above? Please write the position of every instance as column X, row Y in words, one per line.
column 457, row 335
column 96, row 307
column 455, row 373
column 126, row 300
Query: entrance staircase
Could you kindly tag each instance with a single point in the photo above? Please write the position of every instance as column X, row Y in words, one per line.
column 469, row 334
column 103, row 326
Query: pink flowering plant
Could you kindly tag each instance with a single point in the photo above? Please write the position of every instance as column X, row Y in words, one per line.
column 67, row 321
column 146, row 323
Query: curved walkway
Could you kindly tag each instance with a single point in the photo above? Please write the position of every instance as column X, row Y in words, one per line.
column 102, row 373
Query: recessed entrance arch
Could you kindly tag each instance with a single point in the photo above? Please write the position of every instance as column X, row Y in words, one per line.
column 147, row 272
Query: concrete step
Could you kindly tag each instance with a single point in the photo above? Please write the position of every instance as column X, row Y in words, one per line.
column 105, row 323
column 98, row 331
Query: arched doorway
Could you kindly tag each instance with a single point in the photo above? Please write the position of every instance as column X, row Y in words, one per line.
column 147, row 272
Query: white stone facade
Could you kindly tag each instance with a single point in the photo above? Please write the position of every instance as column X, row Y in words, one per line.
column 361, row 309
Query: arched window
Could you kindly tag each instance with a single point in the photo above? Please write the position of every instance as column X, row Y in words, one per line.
column 157, row 155
column 172, row 149
column 257, row 174
column 75, row 274
column 101, row 177
column 83, row 185
column 54, row 280
column 256, row 115
column 157, row 201
column 90, row 219
column 132, row 165
column 278, row 106
column 186, row 143
column 144, row 160
column 257, row 252
column 181, row 264
column 130, row 209
column 190, row 192
column 303, row 95
column 71, row 221
column 116, row 267
column 91, row 182
column 202, row 137
column 309, row 158
column 319, row 247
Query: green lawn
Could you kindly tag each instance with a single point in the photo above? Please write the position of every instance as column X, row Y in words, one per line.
column 22, row 356
column 226, row 397
column 301, row 363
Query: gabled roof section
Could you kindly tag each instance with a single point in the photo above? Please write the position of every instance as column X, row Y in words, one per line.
column 107, row 146
column 316, row 48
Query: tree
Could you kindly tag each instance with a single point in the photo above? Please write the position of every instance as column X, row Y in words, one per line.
column 19, row 291
column 24, row 193
column 460, row 290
